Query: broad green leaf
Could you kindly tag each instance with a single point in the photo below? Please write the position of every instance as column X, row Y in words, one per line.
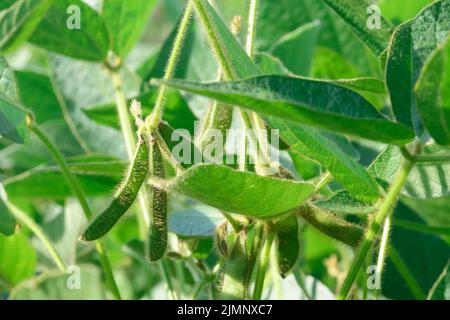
column 296, row 49
column 305, row 101
column 8, row 82
column 227, row 48
column 198, row 222
column 288, row 243
column 18, row 22
column 433, row 211
column 411, row 45
column 96, row 179
column 343, row 203
column 241, row 192
column 270, row 65
column 126, row 21
column 12, row 115
column 433, row 96
column 329, row 64
column 355, row 14
column 12, row 120
column 306, row 168
column 424, row 255
column 55, row 286
column 7, row 221
column 18, row 259
column 74, row 29
column 36, row 92
column 310, row 143
column 158, row 66
column 6, row 3
column 176, row 111
column 363, row 84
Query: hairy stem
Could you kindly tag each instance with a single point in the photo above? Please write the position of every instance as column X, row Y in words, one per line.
column 385, row 208
column 154, row 119
column 40, row 234
column 79, row 194
column 262, row 268
column 383, row 251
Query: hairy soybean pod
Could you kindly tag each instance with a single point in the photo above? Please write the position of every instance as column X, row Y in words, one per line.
column 157, row 238
column 124, row 197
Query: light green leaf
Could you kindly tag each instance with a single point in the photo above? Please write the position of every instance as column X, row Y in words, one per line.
column 82, row 37
column 433, row 95
column 296, row 49
column 305, row 101
column 241, row 192
column 355, row 14
column 343, row 203
column 390, row 9
column 96, row 178
column 126, row 21
column 12, row 120
column 363, row 84
column 8, row 83
column 18, row 22
column 411, row 45
column 18, row 259
column 270, row 65
column 288, row 243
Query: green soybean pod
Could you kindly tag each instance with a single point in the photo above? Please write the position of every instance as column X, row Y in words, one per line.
column 157, row 237
column 124, row 197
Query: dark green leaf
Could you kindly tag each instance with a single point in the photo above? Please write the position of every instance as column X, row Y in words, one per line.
column 355, row 14
column 288, row 243
column 7, row 221
column 307, row 102
column 126, row 21
column 412, row 43
column 433, row 95
column 59, row 32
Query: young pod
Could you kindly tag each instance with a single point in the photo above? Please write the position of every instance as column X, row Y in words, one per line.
column 124, row 197
column 157, row 236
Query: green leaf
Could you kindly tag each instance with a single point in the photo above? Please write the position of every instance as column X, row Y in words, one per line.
column 6, row 3
column 7, row 221
column 288, row 243
column 310, row 143
column 96, row 179
column 269, row 65
column 390, row 9
column 411, row 45
column 126, row 21
column 363, row 84
column 433, row 211
column 18, row 22
column 18, row 259
column 433, row 96
column 355, row 14
column 343, row 203
column 298, row 43
column 176, row 111
column 12, row 120
column 424, row 255
column 241, row 192
column 305, row 101
column 197, row 222
column 59, row 32
column 8, row 83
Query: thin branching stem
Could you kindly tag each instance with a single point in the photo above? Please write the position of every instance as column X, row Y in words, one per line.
column 263, row 263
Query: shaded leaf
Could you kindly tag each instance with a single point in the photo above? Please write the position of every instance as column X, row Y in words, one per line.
column 198, row 222
column 7, row 221
column 288, row 243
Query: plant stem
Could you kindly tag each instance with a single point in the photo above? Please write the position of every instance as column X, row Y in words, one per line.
column 264, row 260
column 383, row 251
column 79, row 194
column 251, row 31
column 380, row 217
column 109, row 276
column 167, row 278
column 155, row 117
column 432, row 159
column 36, row 229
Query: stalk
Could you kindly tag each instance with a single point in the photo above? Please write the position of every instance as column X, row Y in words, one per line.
column 40, row 234
column 154, row 119
column 380, row 217
column 79, row 194
column 167, row 278
column 383, row 251
column 264, row 260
